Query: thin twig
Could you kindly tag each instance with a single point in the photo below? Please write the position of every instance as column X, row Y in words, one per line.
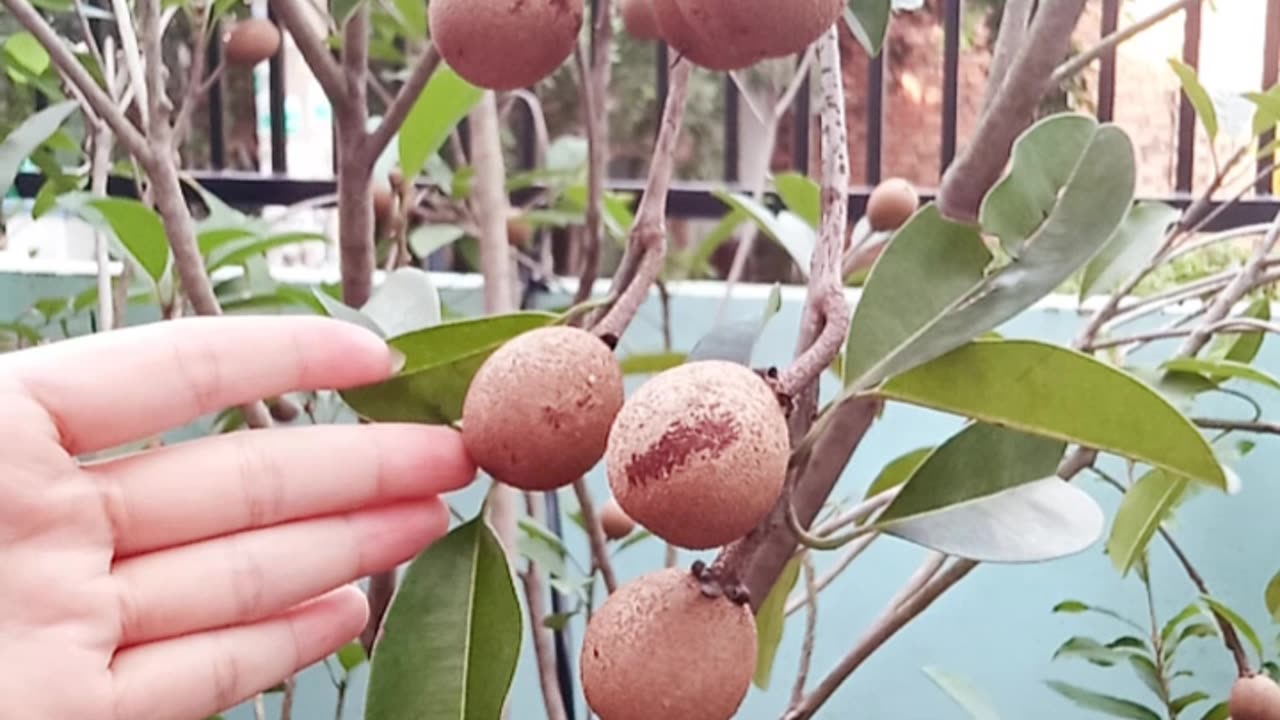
column 1082, row 60
column 852, row 551
column 1233, row 292
column 595, row 534
column 1227, row 326
column 1253, row 426
column 543, row 641
column 402, row 103
column 314, row 50
column 928, row 569
column 195, row 80
column 859, row 512
column 810, row 627
column 132, row 57
column 797, row 81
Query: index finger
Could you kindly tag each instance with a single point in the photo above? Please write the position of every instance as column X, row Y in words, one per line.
column 123, row 385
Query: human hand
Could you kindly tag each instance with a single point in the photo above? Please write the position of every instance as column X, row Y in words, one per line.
column 177, row 582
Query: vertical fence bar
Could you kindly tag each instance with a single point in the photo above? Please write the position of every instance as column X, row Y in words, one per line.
column 1107, row 69
column 217, row 129
column 1186, row 112
column 800, row 129
column 732, row 137
column 875, row 117
column 275, row 82
column 950, row 80
column 1270, row 71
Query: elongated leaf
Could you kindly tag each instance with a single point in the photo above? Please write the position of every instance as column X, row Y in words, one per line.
column 443, row 103
column 1146, row 671
column 1266, row 112
column 1076, row 606
column 1107, row 704
column 1241, row 625
column 771, row 620
column 1220, row 370
column 24, row 139
column 1143, row 510
column 343, row 9
column 868, row 20
column 236, row 252
column 649, row 363
column 452, row 635
column 1134, row 243
column 963, row 693
column 926, row 296
column 1198, row 96
column 1242, row 347
column 1058, row 392
column 898, row 471
column 1089, row 650
column 735, row 340
column 414, row 15
column 24, row 49
column 785, row 228
column 1182, row 702
column 1272, row 596
column 341, row 311
column 440, row 362
column 1172, row 624
column 700, row 258
column 1221, row 711
column 139, row 231
column 405, row 302
column 801, row 196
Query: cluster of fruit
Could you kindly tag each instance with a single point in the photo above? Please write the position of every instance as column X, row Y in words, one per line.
column 697, row 455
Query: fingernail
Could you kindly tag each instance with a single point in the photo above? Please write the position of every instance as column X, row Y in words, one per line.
column 398, row 360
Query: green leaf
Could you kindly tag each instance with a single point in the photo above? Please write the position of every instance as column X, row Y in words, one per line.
column 1133, row 245
column 1076, row 606
column 1107, row 704
column 930, row 291
column 963, row 693
column 1272, row 596
column 24, row 49
column 1146, row 671
column 413, row 13
column 1242, row 347
column 26, row 137
column 868, row 20
column 898, row 471
column 1221, row 711
column 1266, row 114
column 453, row 634
column 1241, row 625
column 771, row 620
column 801, row 196
column 650, row 363
column 1058, row 392
column 238, row 251
column 1219, row 370
column 341, row 10
column 352, row 656
column 1145, row 506
column 701, row 257
column 139, row 231
column 1171, row 626
column 440, row 362
column 443, row 103
column 426, row 239
column 785, row 228
column 1089, row 650
column 735, row 340
column 983, row 495
column 1182, row 702
column 407, row 301
column 1198, row 96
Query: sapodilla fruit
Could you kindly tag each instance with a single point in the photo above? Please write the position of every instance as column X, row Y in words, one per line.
column 891, row 204
column 695, row 47
column 658, row 648
column 250, row 41
column 1255, row 698
column 766, row 28
column 638, row 19
column 617, row 524
column 537, row 413
column 698, row 454
column 504, row 45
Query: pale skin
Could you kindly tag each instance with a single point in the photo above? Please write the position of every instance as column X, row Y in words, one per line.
column 174, row 583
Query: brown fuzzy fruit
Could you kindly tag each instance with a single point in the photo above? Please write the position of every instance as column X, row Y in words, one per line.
column 891, row 204
column 504, row 45
column 538, row 411
column 765, row 28
column 617, row 524
column 694, row 46
column 519, row 231
column 659, row 648
column 699, row 453
column 1255, row 698
column 638, row 19
column 250, row 41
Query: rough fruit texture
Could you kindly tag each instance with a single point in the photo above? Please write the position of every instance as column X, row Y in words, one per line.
column 1255, row 698
column 891, row 204
column 765, row 28
column 658, row 648
column 695, row 47
column 698, row 455
column 638, row 19
column 538, row 411
column 505, row 44
column 617, row 524
column 250, row 41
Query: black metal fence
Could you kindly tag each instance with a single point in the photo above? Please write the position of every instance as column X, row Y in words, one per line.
column 695, row 199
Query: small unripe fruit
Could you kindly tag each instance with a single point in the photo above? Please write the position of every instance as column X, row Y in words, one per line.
column 538, row 411
column 698, row 455
column 767, row 28
column 695, row 47
column 504, row 45
column 1255, row 698
column 891, row 204
column 250, row 41
column 658, row 648
column 519, row 232
column 617, row 524
column 638, row 19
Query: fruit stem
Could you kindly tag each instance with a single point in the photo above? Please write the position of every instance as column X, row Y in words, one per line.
column 649, row 235
column 595, row 533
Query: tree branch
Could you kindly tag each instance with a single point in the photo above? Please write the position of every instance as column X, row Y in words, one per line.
column 595, row 534
column 1009, row 40
column 1082, row 60
column 196, row 83
column 543, row 643
column 402, row 103
column 1253, row 426
column 314, row 51
column 1010, row 112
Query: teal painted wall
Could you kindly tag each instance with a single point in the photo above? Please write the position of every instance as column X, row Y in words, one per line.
column 995, row 628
